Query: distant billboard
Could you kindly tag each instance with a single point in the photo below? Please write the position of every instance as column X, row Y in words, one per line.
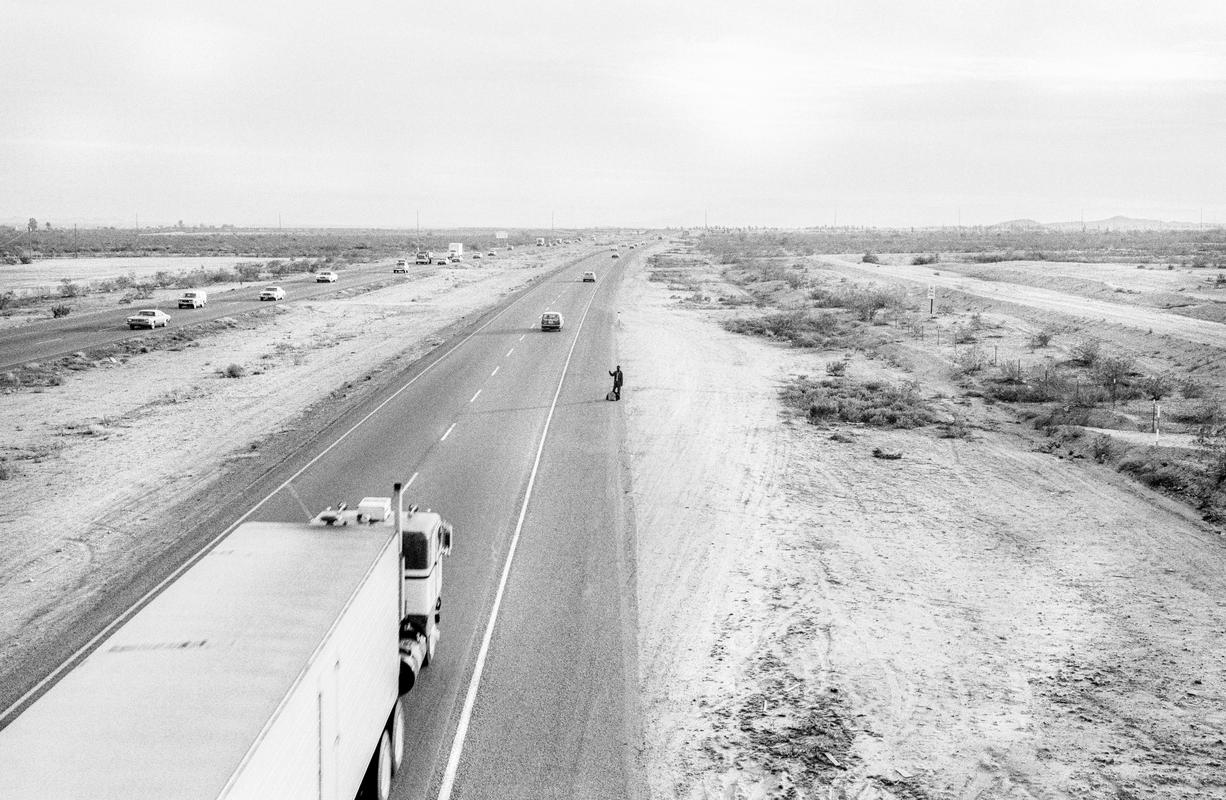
column 501, row 235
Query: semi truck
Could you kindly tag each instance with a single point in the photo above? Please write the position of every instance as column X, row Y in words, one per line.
column 455, row 251
column 272, row 667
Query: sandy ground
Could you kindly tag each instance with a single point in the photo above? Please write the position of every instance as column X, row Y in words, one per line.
column 92, row 460
column 975, row 619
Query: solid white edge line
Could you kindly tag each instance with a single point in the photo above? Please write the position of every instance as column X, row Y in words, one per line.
column 126, row 615
column 448, row 433
column 470, row 697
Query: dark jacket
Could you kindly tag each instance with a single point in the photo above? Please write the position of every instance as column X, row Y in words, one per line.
column 617, row 377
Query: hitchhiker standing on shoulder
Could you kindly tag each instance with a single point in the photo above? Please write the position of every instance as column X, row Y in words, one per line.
column 617, row 382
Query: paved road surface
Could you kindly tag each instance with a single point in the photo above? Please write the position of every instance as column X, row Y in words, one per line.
column 555, row 713
column 54, row 338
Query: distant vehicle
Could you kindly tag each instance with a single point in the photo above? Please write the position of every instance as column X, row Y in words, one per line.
column 589, row 277
column 195, row 298
column 616, row 255
column 424, row 258
column 551, row 321
column 476, row 256
column 631, row 247
column 540, row 241
column 401, row 266
column 452, row 258
column 491, row 253
column 510, row 247
column 272, row 293
column 148, row 318
column 326, row 277
column 455, row 250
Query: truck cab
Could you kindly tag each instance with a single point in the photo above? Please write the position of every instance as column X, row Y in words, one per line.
column 424, row 540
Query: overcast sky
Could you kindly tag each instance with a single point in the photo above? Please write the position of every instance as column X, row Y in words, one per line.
column 504, row 113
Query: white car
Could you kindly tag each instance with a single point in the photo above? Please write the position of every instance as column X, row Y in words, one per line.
column 272, row 293
column 148, row 318
column 551, row 321
column 589, row 277
column 476, row 255
column 326, row 277
column 490, row 253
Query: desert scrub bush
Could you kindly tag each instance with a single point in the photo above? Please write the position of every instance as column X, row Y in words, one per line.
column 1102, row 448
column 1155, row 387
column 1010, row 371
column 1086, row 352
column 1112, row 374
column 963, row 335
column 801, row 328
column 60, row 310
column 1040, row 339
column 836, row 368
column 70, row 289
column 970, row 360
column 1204, row 414
column 1156, row 473
column 234, row 371
column 922, row 260
column 1192, row 389
column 870, row 258
column 874, row 403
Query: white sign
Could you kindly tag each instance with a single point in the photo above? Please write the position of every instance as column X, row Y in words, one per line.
column 932, row 293
column 501, row 235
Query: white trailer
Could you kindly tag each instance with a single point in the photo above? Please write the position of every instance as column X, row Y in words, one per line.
column 455, row 251
column 273, row 667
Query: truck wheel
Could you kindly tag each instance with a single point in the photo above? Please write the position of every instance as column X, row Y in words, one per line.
column 377, row 783
column 396, row 727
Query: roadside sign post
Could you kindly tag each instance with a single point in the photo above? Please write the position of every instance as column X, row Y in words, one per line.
column 932, row 298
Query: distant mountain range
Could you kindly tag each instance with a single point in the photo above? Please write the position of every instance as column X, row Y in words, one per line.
column 1116, row 223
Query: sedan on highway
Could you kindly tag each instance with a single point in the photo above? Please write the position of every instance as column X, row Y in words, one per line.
column 326, row 277
column 589, row 277
column 148, row 318
column 617, row 255
column 551, row 321
column 272, row 293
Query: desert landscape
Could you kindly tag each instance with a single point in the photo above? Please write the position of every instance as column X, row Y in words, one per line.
column 880, row 552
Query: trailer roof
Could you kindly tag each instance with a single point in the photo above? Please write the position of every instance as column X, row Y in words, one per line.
column 169, row 704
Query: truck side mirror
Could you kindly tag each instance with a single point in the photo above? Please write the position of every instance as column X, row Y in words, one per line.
column 445, row 536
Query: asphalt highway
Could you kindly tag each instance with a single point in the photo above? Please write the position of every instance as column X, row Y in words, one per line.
column 505, row 430
column 554, row 713
column 54, row 338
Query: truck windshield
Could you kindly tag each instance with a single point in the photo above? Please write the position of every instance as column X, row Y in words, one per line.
column 415, row 549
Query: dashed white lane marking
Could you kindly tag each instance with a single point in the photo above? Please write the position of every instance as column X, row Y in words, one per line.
column 521, row 338
column 470, row 697
column 448, row 433
column 410, row 483
column 474, row 397
column 495, row 372
column 509, row 352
